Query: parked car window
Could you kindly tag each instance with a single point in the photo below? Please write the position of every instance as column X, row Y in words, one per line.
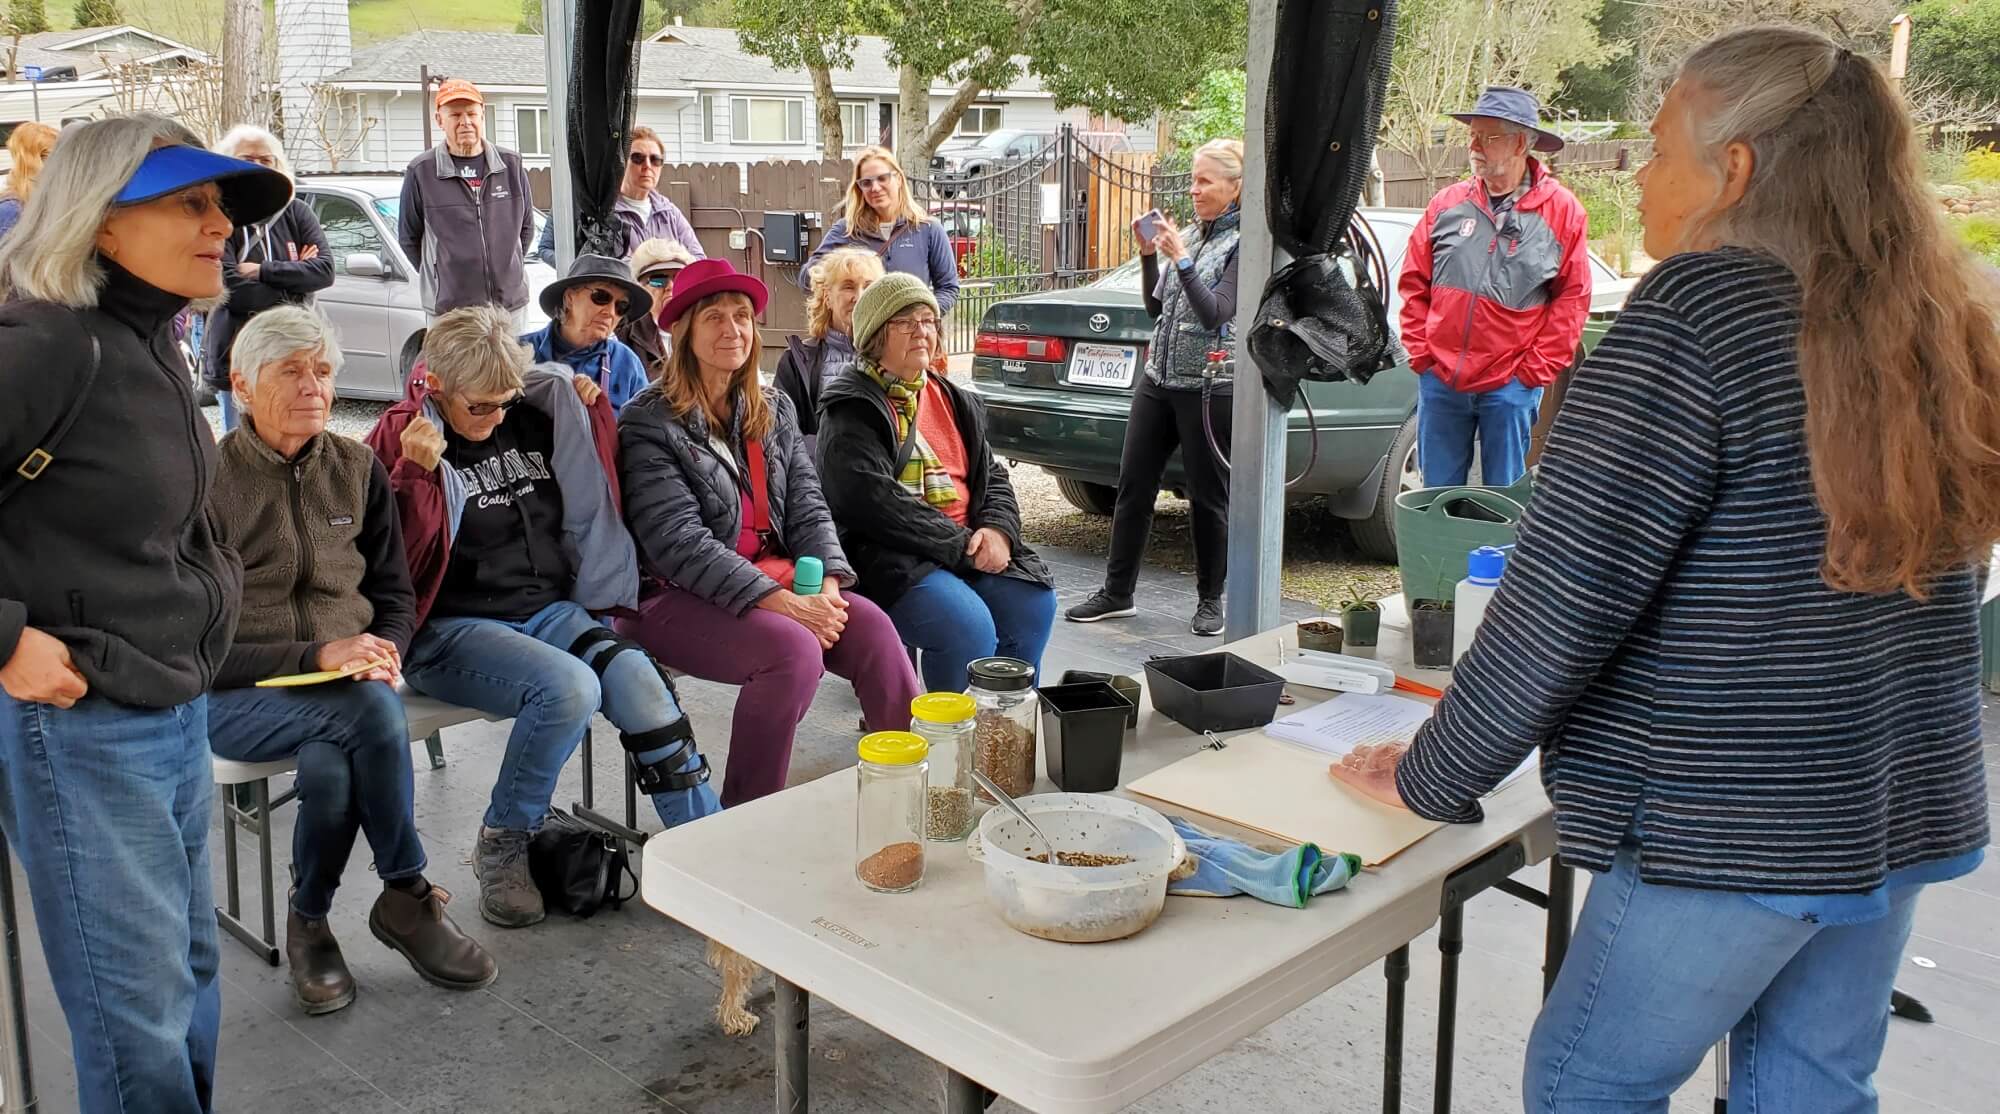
column 348, row 229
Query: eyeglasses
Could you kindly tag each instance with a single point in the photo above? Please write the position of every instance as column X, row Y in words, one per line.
column 639, row 158
column 261, row 160
column 874, row 180
column 488, row 409
column 658, row 282
column 1481, row 139
column 914, row 324
column 602, row 297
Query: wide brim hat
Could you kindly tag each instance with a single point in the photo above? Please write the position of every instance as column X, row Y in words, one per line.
column 705, row 277
column 1515, row 106
column 250, row 193
column 589, row 270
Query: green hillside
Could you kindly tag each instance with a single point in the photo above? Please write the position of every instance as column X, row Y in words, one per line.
column 199, row 22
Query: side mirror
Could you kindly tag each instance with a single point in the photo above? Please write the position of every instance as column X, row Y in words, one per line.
column 366, row 264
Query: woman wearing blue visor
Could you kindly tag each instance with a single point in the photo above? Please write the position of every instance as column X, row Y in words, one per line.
column 116, row 603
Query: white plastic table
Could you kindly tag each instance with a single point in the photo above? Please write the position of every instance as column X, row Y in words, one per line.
column 1073, row 1029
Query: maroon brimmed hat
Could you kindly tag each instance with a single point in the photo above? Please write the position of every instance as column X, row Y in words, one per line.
column 704, row 277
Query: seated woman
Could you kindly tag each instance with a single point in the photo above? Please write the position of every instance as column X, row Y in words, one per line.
column 585, row 308
column 721, row 497
column 828, row 346
column 325, row 588
column 654, row 264
column 509, row 508
column 925, row 511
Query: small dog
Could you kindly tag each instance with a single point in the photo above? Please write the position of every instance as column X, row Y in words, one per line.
column 731, row 1010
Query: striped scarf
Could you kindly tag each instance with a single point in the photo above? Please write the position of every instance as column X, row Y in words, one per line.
column 924, row 476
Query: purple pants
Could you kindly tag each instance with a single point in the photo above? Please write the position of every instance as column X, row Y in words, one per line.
column 778, row 664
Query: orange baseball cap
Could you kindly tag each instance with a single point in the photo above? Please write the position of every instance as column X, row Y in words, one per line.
column 458, row 89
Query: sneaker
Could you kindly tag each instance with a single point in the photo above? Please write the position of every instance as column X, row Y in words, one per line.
column 1101, row 605
column 1207, row 618
column 420, row 929
column 507, row 893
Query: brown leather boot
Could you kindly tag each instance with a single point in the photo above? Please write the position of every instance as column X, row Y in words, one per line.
column 430, row 940
column 321, row 982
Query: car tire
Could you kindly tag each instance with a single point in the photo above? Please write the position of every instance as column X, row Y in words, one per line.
column 1090, row 498
column 1375, row 535
column 413, row 349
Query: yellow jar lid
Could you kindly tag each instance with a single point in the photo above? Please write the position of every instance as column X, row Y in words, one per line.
column 893, row 748
column 943, row 707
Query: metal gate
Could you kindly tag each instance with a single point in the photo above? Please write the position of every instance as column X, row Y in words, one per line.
column 1054, row 219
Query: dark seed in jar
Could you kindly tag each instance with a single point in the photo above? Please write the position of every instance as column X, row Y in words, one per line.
column 1082, row 858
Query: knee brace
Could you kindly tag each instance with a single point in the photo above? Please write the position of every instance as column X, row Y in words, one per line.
column 663, row 774
column 587, row 644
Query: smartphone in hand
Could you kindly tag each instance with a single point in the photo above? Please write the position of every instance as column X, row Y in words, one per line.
column 1148, row 226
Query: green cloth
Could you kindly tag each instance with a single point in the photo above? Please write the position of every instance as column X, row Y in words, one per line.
column 924, row 476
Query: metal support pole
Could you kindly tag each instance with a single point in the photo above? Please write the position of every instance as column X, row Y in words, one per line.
column 1257, row 440
column 1451, row 943
column 1396, row 969
column 559, row 27
column 1562, row 894
column 962, row 1095
column 426, row 109
column 17, row 1077
column 790, row 1019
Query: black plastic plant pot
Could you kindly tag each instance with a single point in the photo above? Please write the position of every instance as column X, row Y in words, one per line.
column 1127, row 687
column 1083, row 735
column 1430, row 638
column 1320, row 634
column 1363, row 626
column 1213, row 692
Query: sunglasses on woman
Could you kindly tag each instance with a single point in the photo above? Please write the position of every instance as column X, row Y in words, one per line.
column 603, row 297
column 488, row 409
column 640, row 158
column 658, row 282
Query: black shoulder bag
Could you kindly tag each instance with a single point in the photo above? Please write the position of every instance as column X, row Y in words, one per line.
column 43, row 454
column 579, row 868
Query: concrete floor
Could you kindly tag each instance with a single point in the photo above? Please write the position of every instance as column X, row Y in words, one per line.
column 613, row 1014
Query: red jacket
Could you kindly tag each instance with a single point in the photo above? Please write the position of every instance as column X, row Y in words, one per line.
column 423, row 501
column 1487, row 302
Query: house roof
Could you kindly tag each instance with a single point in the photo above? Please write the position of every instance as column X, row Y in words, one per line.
column 86, row 47
column 682, row 59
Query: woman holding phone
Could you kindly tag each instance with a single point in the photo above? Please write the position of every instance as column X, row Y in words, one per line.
column 1192, row 300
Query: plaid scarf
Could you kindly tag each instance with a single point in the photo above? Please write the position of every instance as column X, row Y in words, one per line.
column 924, row 476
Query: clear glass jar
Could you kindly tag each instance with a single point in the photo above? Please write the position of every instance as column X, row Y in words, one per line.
column 945, row 720
column 889, row 799
column 1003, row 691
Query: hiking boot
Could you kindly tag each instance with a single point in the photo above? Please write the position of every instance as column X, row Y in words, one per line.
column 1207, row 620
column 1101, row 605
column 321, row 982
column 507, row 893
column 437, row 950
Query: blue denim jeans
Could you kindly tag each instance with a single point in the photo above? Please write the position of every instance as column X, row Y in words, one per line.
column 525, row 670
column 1657, row 975
column 956, row 619
column 1502, row 419
column 108, row 807
column 353, row 747
column 227, row 400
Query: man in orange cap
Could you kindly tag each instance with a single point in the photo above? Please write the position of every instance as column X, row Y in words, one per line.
column 468, row 216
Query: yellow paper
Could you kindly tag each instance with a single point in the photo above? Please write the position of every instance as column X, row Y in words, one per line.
column 323, row 676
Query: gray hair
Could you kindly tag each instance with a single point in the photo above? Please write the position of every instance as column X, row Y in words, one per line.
column 276, row 334
column 233, row 140
column 52, row 254
column 474, row 351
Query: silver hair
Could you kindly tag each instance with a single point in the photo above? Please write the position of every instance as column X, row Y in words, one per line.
column 233, row 140
column 52, row 254
column 276, row 334
column 474, row 351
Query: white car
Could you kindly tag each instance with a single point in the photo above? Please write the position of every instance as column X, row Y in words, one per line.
column 374, row 303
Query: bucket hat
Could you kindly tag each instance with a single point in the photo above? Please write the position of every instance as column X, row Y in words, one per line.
column 1516, row 106
column 590, row 269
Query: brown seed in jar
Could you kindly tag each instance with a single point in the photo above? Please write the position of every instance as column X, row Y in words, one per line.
column 895, row 867
column 1005, row 753
column 949, row 813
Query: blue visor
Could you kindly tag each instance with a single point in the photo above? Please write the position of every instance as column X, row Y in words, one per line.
column 250, row 193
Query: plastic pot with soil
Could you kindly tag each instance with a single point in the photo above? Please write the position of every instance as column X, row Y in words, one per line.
column 1431, row 633
column 1323, row 635
column 1360, row 619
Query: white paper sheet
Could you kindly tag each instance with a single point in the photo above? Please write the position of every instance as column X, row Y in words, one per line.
column 1351, row 719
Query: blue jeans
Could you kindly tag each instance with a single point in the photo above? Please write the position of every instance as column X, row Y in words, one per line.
column 1503, row 419
column 1658, row 975
column 353, row 747
column 227, row 400
column 108, row 808
column 525, row 670
column 956, row 619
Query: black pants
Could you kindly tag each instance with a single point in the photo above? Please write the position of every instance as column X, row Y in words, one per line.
column 1161, row 421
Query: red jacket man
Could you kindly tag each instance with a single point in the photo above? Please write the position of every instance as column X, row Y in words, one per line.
column 1496, row 288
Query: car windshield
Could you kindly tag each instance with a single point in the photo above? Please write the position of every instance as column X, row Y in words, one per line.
column 389, row 207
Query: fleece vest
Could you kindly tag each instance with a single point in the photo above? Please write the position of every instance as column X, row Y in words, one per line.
column 297, row 524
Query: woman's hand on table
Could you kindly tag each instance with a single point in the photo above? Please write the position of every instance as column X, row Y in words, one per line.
column 1370, row 770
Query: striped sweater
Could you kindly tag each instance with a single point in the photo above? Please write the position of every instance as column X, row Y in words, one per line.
column 1664, row 636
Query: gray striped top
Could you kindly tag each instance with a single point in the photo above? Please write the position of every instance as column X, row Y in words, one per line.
column 1664, row 636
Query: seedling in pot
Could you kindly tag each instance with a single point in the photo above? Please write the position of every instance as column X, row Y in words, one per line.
column 1360, row 617
column 1431, row 633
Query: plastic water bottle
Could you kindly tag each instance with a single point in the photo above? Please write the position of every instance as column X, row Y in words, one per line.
column 1483, row 568
column 808, row 575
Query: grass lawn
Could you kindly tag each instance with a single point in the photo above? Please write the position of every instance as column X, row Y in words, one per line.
column 198, row 23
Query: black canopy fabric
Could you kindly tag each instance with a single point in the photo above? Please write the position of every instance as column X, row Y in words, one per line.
column 603, row 78
column 1318, row 319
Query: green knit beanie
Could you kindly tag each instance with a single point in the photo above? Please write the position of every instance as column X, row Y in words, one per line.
column 888, row 296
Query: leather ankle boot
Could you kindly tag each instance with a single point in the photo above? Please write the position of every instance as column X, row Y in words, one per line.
column 320, row 980
column 419, row 928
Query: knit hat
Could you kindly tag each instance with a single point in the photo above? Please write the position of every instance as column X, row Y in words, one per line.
column 885, row 298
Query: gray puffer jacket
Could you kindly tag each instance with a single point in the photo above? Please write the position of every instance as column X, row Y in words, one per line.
column 684, row 503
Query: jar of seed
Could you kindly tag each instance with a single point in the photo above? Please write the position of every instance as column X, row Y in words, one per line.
column 889, row 803
column 1003, row 730
column 945, row 720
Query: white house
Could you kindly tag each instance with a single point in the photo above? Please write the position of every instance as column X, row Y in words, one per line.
column 76, row 71
column 710, row 100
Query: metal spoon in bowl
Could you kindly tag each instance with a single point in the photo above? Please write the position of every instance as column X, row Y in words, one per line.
column 1000, row 795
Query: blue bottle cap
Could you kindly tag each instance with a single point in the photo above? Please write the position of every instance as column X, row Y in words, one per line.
column 808, row 576
column 1486, row 563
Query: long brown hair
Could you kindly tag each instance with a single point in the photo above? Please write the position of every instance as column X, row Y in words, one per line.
column 680, row 378
column 863, row 220
column 1899, row 327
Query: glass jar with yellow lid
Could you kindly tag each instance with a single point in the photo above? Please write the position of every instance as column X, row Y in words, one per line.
column 945, row 720
column 889, row 801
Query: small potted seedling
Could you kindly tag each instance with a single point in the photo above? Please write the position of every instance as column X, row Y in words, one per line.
column 1430, row 633
column 1321, row 634
column 1360, row 618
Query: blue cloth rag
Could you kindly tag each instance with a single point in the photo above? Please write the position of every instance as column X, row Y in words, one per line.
column 1227, row 867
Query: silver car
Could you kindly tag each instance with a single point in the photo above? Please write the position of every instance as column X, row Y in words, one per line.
column 374, row 302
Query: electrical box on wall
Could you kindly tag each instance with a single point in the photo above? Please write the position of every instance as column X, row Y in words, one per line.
column 785, row 238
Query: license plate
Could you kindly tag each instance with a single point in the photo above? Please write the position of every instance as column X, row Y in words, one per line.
column 1103, row 365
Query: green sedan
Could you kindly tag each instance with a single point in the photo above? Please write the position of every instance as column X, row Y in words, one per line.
column 1056, row 371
